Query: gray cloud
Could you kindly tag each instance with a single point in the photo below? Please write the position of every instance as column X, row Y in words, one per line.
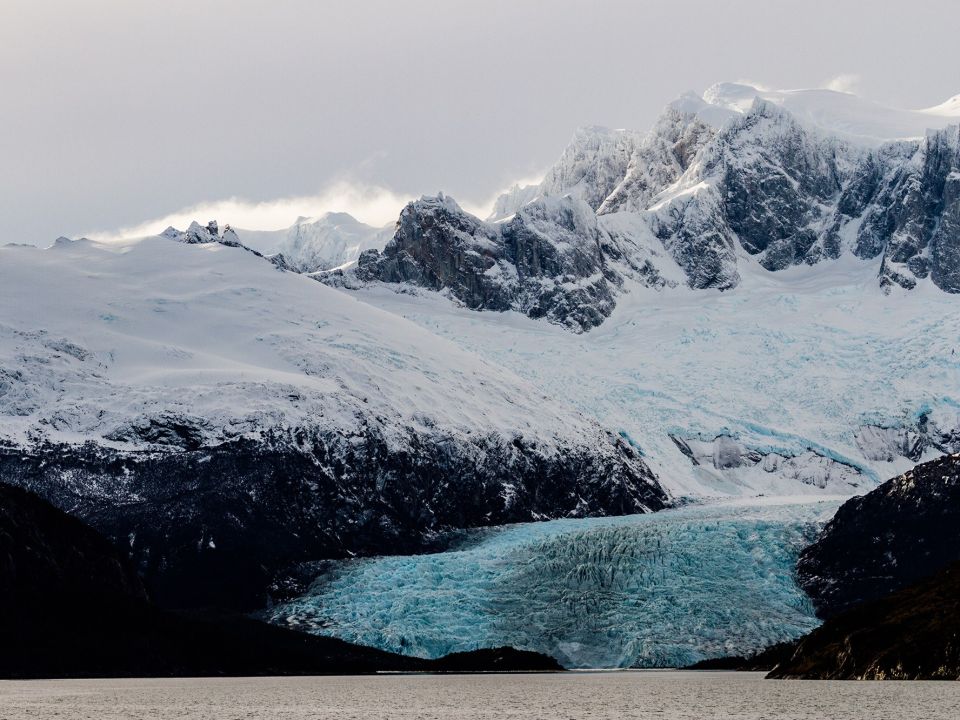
column 113, row 112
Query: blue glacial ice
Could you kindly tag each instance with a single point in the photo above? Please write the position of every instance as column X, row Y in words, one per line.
column 660, row 590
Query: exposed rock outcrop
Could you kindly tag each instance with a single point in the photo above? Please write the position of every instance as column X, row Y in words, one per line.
column 913, row 634
column 547, row 261
column 72, row 606
column 901, row 532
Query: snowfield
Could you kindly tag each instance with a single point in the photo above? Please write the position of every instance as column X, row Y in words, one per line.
column 816, row 377
column 94, row 337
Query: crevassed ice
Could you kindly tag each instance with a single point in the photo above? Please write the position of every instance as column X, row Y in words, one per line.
column 794, row 360
column 659, row 590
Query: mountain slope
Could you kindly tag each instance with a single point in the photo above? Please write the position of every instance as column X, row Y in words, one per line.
column 809, row 379
column 73, row 607
column 221, row 418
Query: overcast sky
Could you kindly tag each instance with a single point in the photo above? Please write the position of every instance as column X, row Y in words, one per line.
column 116, row 112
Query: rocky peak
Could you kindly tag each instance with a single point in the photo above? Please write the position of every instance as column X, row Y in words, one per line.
column 908, row 196
column 659, row 161
column 592, row 165
column 791, row 177
column 195, row 234
column 230, row 237
column 778, row 181
column 547, row 261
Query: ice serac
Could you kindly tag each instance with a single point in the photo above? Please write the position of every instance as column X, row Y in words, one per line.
column 912, row 440
column 903, row 531
column 219, row 419
column 726, row 458
column 549, row 260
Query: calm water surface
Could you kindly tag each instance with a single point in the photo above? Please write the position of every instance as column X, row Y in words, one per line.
column 644, row 694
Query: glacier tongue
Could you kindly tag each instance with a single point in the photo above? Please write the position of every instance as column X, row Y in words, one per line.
column 660, row 590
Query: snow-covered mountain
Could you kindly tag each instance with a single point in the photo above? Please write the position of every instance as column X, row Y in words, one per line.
column 789, row 202
column 736, row 176
column 311, row 244
column 550, row 259
column 756, row 297
column 223, row 418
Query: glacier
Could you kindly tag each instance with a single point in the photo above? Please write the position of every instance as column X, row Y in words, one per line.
column 804, row 360
column 659, row 590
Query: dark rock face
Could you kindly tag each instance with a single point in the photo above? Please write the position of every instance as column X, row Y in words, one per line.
column 901, row 532
column 503, row 659
column 911, row 211
column 785, row 194
column 694, row 234
column 45, row 553
column 71, row 606
column 437, row 245
column 913, row 634
column 215, row 526
column 770, row 184
column 945, row 242
column 776, row 179
column 547, row 262
column 763, row 661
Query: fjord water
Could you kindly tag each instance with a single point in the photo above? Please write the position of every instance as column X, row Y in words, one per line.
column 660, row 590
column 665, row 695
